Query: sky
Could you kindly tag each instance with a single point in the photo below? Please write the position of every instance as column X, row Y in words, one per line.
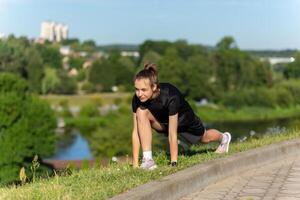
column 254, row 24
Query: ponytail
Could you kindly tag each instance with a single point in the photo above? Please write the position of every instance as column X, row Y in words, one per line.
column 150, row 72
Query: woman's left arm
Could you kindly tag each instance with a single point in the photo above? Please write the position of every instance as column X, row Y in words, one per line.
column 173, row 123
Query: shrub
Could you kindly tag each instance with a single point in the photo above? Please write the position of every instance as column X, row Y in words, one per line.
column 89, row 110
column 284, row 97
column 260, row 97
column 293, row 86
column 87, row 87
column 26, row 127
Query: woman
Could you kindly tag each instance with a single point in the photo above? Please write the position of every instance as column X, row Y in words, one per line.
column 162, row 107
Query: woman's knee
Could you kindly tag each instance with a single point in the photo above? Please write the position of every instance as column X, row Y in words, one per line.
column 142, row 114
column 211, row 135
column 205, row 138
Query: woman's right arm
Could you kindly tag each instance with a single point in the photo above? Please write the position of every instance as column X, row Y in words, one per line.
column 135, row 143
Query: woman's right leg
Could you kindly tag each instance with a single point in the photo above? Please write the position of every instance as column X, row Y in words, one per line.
column 146, row 121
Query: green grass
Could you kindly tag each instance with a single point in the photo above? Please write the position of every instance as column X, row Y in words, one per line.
column 219, row 114
column 102, row 183
column 80, row 100
column 214, row 113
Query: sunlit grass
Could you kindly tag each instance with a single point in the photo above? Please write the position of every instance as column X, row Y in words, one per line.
column 80, row 100
column 219, row 113
column 102, row 183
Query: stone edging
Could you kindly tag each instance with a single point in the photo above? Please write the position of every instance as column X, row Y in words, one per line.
column 196, row 177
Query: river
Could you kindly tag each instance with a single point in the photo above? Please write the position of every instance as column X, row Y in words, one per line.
column 75, row 147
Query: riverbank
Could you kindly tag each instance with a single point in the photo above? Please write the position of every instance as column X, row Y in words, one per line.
column 102, row 183
column 223, row 114
column 80, row 100
column 208, row 113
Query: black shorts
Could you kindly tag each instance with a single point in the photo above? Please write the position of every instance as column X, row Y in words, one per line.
column 196, row 128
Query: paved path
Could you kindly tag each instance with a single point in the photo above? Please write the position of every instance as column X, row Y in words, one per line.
column 278, row 180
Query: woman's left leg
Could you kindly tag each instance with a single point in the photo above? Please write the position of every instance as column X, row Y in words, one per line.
column 213, row 135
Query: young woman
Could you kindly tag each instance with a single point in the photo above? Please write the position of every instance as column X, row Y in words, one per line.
column 162, row 107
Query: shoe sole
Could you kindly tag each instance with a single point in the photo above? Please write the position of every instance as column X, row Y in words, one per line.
column 228, row 142
column 153, row 167
column 150, row 168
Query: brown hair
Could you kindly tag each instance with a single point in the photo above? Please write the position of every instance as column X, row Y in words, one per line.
column 150, row 72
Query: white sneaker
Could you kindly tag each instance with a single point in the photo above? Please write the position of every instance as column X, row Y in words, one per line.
column 224, row 145
column 148, row 164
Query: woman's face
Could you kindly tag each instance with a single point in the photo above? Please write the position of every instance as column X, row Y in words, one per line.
column 143, row 89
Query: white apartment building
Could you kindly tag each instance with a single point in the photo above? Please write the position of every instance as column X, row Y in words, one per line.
column 54, row 31
column 2, row 36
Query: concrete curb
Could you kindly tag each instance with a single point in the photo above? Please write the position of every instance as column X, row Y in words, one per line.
column 194, row 178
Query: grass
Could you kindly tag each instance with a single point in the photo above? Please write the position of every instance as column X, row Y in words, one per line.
column 214, row 113
column 102, row 183
column 80, row 100
column 219, row 114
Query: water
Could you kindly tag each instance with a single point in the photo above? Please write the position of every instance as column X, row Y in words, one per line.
column 243, row 130
column 73, row 146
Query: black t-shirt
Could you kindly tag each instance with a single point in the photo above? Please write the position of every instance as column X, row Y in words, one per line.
column 169, row 102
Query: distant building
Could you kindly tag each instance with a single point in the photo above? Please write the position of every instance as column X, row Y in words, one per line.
column 54, row 31
column 2, row 36
column 65, row 50
column 277, row 60
column 135, row 54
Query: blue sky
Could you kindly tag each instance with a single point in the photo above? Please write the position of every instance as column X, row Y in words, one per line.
column 255, row 24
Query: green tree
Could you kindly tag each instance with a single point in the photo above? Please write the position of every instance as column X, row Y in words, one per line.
column 26, row 127
column 293, row 69
column 50, row 55
column 173, row 69
column 102, row 75
column 50, row 80
column 35, row 71
column 67, row 85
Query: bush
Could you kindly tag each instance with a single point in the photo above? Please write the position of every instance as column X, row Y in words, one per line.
column 293, row 86
column 87, row 87
column 260, row 97
column 89, row 110
column 26, row 127
column 65, row 109
column 284, row 97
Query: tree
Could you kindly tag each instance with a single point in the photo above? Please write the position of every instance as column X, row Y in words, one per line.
column 50, row 80
column 226, row 43
column 35, row 71
column 26, row 127
column 67, row 85
column 102, row 75
column 201, row 78
column 173, row 69
column 293, row 69
column 50, row 55
column 236, row 69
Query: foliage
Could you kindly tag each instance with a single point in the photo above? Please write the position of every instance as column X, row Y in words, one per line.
column 102, row 76
column 115, row 135
column 50, row 80
column 76, row 63
column 50, row 55
column 293, row 69
column 67, row 85
column 35, row 71
column 89, row 110
column 87, row 87
column 26, row 127
column 117, row 178
column 115, row 70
